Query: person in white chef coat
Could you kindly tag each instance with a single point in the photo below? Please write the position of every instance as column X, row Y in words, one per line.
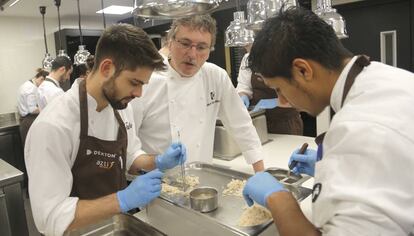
column 81, row 145
column 184, row 102
column 27, row 101
column 50, row 88
column 363, row 168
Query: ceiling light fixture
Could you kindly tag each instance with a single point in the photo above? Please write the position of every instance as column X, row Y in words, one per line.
column 325, row 11
column 61, row 51
column 260, row 10
column 47, row 61
column 116, row 10
column 82, row 54
column 14, row 3
column 237, row 35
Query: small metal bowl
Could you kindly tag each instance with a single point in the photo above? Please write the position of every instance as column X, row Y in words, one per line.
column 204, row 199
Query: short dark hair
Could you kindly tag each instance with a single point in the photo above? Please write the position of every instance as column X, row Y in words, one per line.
column 129, row 47
column 61, row 61
column 295, row 33
column 82, row 69
column 90, row 62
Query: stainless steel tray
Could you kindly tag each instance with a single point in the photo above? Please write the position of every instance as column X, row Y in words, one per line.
column 283, row 176
column 229, row 208
column 119, row 225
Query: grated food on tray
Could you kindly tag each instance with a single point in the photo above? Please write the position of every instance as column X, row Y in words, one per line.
column 234, row 188
column 254, row 215
column 190, row 180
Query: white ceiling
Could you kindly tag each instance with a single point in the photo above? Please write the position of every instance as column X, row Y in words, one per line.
column 68, row 8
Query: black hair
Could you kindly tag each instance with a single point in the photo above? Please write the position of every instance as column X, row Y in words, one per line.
column 295, row 33
column 82, row 70
column 61, row 61
column 41, row 73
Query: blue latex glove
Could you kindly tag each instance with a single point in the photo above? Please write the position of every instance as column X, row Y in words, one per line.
column 266, row 104
column 259, row 187
column 141, row 191
column 175, row 155
column 246, row 100
column 306, row 162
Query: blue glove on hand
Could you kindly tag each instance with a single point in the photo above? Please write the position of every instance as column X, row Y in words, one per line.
column 175, row 155
column 266, row 104
column 306, row 162
column 246, row 100
column 141, row 191
column 259, row 187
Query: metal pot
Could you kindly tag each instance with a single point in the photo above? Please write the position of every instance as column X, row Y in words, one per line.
column 204, row 199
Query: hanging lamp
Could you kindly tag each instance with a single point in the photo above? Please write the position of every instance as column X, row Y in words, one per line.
column 167, row 9
column 61, row 51
column 260, row 10
column 47, row 61
column 237, row 35
column 103, row 14
column 325, row 11
column 82, row 54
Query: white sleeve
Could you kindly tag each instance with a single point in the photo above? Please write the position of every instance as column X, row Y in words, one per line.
column 134, row 144
column 363, row 174
column 32, row 100
column 52, row 95
column 237, row 121
column 47, row 155
column 244, row 83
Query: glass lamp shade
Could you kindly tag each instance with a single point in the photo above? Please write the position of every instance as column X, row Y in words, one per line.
column 260, row 10
column 167, row 9
column 47, row 62
column 81, row 55
column 237, row 35
column 62, row 53
column 335, row 20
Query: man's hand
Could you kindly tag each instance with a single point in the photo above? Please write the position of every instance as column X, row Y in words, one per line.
column 259, row 187
column 176, row 154
column 266, row 104
column 306, row 162
column 141, row 191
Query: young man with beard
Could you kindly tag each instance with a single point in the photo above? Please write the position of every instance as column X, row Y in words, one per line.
column 185, row 101
column 81, row 145
column 50, row 88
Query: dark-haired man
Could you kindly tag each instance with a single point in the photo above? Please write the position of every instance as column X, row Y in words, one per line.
column 50, row 88
column 362, row 169
column 81, row 145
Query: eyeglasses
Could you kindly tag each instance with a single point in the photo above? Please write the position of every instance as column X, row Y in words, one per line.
column 187, row 44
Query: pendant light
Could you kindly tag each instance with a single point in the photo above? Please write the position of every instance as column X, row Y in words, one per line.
column 82, row 54
column 167, row 9
column 61, row 51
column 237, row 35
column 260, row 10
column 47, row 61
column 103, row 14
column 325, row 11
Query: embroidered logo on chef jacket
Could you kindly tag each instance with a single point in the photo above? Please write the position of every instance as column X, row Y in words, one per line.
column 317, row 188
column 212, row 98
column 128, row 125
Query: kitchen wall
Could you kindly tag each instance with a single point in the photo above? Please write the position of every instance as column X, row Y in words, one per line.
column 22, row 50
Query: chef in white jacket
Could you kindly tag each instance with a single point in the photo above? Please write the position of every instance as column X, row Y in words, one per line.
column 184, row 102
column 363, row 168
column 50, row 88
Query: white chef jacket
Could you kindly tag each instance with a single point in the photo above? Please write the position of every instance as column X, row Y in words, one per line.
column 171, row 104
column 51, row 148
column 48, row 91
column 27, row 98
column 244, row 79
column 367, row 185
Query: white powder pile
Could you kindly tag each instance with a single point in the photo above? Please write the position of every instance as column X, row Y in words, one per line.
column 234, row 188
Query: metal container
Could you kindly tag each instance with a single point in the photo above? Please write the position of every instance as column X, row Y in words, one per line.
column 120, row 224
column 226, row 148
column 283, row 176
column 204, row 199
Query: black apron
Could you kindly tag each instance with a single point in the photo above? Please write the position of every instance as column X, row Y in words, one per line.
column 280, row 120
column 361, row 62
column 25, row 123
column 99, row 168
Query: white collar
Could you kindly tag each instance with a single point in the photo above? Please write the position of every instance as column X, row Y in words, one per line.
column 337, row 91
column 173, row 74
column 55, row 81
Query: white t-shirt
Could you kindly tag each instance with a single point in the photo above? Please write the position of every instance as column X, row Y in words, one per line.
column 27, row 98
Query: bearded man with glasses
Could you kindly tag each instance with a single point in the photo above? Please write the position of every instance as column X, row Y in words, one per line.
column 184, row 101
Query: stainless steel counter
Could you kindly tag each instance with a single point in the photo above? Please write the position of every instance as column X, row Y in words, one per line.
column 9, row 121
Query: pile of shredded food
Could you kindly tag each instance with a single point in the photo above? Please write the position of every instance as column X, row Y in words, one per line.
column 171, row 190
column 234, row 188
column 254, row 215
column 168, row 186
column 190, row 180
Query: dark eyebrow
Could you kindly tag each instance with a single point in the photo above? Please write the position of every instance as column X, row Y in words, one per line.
column 138, row 81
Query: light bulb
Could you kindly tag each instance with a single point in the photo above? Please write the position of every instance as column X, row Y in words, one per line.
column 81, row 55
column 47, row 62
column 62, row 53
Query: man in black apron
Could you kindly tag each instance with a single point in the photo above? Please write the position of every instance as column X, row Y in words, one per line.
column 362, row 161
column 82, row 144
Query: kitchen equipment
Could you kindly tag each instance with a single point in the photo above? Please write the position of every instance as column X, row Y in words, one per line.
column 12, row 213
column 120, row 224
column 283, row 176
column 222, row 221
column 226, row 148
column 204, row 199
column 182, row 165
